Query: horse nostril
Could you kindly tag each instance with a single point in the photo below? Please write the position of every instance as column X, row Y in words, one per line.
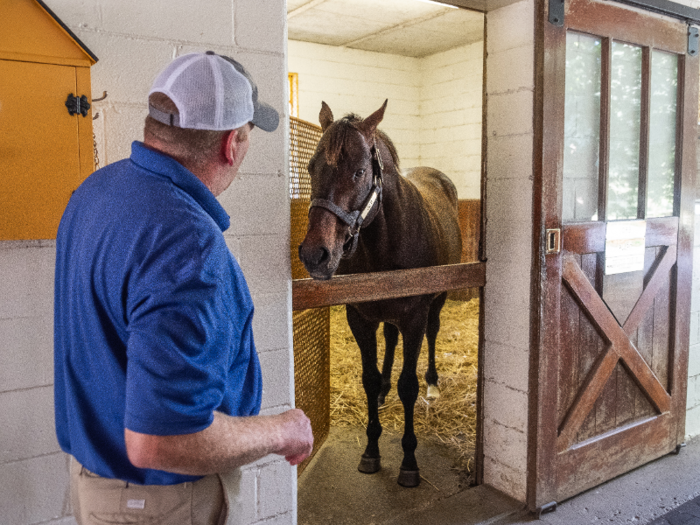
column 313, row 257
column 324, row 255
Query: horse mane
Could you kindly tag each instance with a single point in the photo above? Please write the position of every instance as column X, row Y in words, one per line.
column 338, row 132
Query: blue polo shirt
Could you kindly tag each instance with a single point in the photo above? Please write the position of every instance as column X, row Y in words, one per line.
column 152, row 320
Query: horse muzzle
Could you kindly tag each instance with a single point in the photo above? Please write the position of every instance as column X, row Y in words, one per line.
column 318, row 261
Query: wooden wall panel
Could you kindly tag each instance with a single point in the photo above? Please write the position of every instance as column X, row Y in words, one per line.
column 470, row 226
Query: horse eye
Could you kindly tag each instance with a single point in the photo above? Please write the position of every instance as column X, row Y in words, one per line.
column 358, row 174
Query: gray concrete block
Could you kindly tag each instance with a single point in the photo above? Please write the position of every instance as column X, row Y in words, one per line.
column 257, row 204
column 125, row 71
column 34, row 490
column 277, row 374
column 506, row 444
column 506, row 406
column 164, row 20
column 26, row 352
column 507, row 304
column 510, row 157
column 265, row 263
column 511, row 70
column 260, row 24
column 510, row 27
column 26, row 285
column 510, row 113
column 275, row 489
column 27, row 424
column 123, row 125
column 271, row 322
column 507, row 364
column 504, row 478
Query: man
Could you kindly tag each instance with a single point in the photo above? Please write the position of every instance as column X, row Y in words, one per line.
column 157, row 381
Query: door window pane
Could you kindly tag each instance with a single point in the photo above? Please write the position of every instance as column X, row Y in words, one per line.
column 581, row 128
column 662, row 134
column 625, row 122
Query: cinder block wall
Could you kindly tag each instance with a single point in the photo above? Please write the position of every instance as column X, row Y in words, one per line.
column 134, row 40
column 509, row 135
column 692, row 422
column 355, row 81
column 450, row 126
column 434, row 111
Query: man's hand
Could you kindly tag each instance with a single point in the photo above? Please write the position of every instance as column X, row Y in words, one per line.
column 297, row 437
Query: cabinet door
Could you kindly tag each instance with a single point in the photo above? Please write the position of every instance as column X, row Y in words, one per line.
column 40, row 147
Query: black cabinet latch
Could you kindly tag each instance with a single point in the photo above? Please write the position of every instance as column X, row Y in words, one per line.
column 77, row 105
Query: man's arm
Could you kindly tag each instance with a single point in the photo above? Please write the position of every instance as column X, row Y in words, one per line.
column 229, row 442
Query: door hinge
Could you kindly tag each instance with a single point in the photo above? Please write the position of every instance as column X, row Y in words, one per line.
column 692, row 41
column 77, row 105
column 546, row 509
column 678, row 449
column 556, row 12
column 553, row 240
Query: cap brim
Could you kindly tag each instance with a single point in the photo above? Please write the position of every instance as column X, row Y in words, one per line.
column 265, row 117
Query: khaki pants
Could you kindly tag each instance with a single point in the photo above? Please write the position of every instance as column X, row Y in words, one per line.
column 98, row 501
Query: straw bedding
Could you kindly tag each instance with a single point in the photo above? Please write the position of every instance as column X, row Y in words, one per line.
column 451, row 419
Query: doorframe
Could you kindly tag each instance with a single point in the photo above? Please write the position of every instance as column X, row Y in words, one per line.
column 549, row 69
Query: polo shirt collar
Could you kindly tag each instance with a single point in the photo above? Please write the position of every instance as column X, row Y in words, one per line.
column 166, row 166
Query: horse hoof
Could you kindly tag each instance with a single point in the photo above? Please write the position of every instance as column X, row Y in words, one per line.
column 433, row 393
column 369, row 465
column 409, row 478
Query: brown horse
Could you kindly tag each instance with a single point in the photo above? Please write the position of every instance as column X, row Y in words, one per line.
column 366, row 217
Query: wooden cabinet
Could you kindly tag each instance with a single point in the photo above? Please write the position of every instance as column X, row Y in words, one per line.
column 45, row 152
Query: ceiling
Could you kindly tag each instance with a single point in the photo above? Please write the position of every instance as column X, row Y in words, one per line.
column 410, row 28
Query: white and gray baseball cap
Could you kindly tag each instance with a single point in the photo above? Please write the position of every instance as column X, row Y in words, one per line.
column 212, row 92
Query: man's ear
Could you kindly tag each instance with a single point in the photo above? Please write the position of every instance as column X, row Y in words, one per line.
column 229, row 146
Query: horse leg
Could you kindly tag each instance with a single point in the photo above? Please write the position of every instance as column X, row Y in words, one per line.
column 391, row 339
column 407, row 386
column 365, row 333
column 431, row 376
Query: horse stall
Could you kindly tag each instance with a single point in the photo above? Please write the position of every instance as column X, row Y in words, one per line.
column 447, row 85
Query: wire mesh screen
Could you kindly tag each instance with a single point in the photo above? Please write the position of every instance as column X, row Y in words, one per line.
column 311, row 327
column 303, row 138
column 312, row 337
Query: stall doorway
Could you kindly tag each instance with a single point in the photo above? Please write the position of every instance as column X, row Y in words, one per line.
column 354, row 75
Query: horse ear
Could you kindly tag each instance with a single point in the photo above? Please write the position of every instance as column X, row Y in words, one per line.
column 325, row 116
column 369, row 125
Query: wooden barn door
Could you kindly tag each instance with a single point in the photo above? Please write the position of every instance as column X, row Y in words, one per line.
column 619, row 124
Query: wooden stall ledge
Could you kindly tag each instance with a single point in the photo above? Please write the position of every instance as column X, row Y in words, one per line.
column 343, row 289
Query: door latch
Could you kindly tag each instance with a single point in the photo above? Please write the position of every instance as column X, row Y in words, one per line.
column 77, row 105
column 553, row 240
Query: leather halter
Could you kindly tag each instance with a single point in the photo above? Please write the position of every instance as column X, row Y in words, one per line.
column 355, row 219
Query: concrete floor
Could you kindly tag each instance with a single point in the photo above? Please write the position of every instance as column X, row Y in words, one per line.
column 332, row 491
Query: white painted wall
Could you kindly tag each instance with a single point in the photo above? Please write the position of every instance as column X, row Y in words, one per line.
column 450, row 111
column 692, row 422
column 134, row 40
column 355, row 81
column 510, row 133
column 434, row 111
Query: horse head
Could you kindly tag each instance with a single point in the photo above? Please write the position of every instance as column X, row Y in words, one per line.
column 346, row 185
